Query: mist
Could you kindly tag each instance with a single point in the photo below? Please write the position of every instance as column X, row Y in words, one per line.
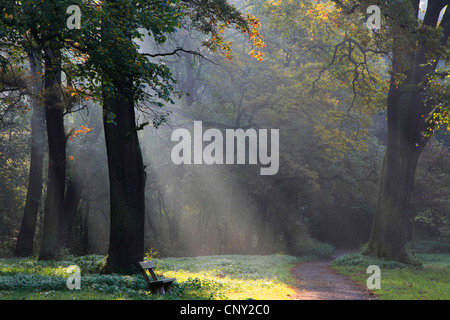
column 304, row 177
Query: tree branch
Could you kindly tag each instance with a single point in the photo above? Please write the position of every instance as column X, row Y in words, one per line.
column 175, row 52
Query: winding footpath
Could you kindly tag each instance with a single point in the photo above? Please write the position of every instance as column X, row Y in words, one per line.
column 316, row 280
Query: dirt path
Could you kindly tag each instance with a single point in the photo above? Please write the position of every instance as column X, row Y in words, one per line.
column 317, row 281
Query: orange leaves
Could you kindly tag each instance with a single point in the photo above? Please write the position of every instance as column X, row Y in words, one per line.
column 258, row 56
column 83, row 129
column 71, row 91
column 255, row 37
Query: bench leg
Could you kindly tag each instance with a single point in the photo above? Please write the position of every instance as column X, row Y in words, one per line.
column 159, row 290
column 168, row 287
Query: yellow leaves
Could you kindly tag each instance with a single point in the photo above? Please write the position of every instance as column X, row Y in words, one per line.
column 439, row 119
column 322, row 15
column 255, row 36
column 70, row 158
column 225, row 46
column 79, row 93
column 323, row 12
column 258, row 56
column 251, row 29
column 274, row 2
column 71, row 91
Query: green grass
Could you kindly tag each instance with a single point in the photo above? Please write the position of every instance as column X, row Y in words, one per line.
column 211, row 277
column 400, row 281
column 235, row 276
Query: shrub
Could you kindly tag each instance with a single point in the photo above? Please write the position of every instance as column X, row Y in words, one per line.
column 357, row 259
column 38, row 276
column 107, row 284
column 314, row 248
column 424, row 246
column 32, row 282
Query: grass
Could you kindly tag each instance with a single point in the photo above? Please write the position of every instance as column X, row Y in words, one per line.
column 400, row 281
column 211, row 277
column 235, row 276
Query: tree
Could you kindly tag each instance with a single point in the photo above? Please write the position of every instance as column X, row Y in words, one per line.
column 40, row 29
column 14, row 146
column 24, row 245
column 107, row 46
column 54, row 116
column 317, row 150
column 415, row 48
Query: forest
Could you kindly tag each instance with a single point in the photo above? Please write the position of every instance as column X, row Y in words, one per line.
column 239, row 144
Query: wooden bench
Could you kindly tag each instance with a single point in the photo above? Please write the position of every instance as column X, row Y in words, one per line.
column 154, row 284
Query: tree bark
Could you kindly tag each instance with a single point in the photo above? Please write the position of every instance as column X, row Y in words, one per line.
column 389, row 229
column 177, row 207
column 85, row 241
column 24, row 245
column 406, row 114
column 54, row 114
column 127, row 182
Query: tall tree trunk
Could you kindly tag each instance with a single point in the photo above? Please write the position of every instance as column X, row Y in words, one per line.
column 85, row 241
column 393, row 214
column 54, row 114
column 24, row 245
column 177, row 207
column 127, row 181
column 406, row 114
column 71, row 201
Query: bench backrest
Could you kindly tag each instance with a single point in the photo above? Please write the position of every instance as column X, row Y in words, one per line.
column 148, row 265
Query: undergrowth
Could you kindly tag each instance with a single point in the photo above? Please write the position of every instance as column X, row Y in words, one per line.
column 212, row 277
column 401, row 281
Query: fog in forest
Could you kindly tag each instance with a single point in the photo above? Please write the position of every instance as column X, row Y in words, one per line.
column 332, row 141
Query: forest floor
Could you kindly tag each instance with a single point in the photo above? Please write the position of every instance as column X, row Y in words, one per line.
column 234, row 277
column 316, row 280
